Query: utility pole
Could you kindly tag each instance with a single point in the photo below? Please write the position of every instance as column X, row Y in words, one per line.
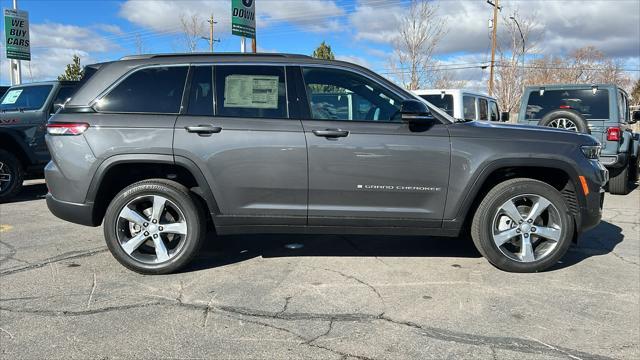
column 211, row 39
column 15, row 66
column 496, row 7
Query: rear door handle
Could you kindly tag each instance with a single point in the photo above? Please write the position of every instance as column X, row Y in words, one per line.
column 203, row 129
column 331, row 133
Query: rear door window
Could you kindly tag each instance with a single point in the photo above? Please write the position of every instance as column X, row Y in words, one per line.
column 25, row 98
column 251, row 91
column 584, row 101
column 152, row 90
column 469, row 107
column 483, row 109
column 444, row 102
column 201, row 92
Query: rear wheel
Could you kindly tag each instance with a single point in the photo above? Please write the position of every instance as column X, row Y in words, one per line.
column 619, row 180
column 154, row 226
column 11, row 175
column 522, row 225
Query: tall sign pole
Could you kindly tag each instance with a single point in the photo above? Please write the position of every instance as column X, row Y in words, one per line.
column 496, row 7
column 16, row 30
column 243, row 21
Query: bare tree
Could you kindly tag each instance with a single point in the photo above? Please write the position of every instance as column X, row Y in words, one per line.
column 419, row 33
column 586, row 65
column 445, row 79
column 192, row 29
column 512, row 48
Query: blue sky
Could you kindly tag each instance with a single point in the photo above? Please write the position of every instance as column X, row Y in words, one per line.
column 361, row 31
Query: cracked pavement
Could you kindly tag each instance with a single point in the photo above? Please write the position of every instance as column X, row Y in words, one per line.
column 63, row 296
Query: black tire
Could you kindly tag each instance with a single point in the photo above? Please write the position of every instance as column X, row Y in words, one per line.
column 483, row 223
column 580, row 122
column 10, row 167
column 176, row 194
column 634, row 174
column 619, row 180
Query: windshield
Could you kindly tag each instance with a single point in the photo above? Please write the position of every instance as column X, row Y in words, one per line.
column 25, row 98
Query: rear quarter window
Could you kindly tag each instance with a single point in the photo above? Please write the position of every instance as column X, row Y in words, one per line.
column 151, row 90
column 590, row 105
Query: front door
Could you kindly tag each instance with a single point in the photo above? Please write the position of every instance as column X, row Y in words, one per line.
column 238, row 131
column 366, row 167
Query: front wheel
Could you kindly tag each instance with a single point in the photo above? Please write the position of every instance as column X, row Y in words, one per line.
column 522, row 225
column 154, row 226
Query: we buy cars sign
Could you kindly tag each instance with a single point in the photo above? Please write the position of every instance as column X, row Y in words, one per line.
column 16, row 34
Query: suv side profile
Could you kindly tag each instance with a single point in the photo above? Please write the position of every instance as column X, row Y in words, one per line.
column 601, row 110
column 464, row 104
column 24, row 111
column 158, row 147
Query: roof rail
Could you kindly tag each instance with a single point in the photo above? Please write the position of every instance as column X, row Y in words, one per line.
column 154, row 56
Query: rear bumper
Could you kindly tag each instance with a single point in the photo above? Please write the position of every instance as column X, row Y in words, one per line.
column 73, row 212
column 614, row 161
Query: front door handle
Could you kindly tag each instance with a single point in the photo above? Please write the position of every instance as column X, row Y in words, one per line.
column 331, row 133
column 203, row 129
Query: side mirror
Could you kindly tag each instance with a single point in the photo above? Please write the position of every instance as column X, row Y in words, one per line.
column 504, row 116
column 415, row 112
column 635, row 116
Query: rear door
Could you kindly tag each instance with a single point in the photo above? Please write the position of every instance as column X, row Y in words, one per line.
column 236, row 127
column 366, row 167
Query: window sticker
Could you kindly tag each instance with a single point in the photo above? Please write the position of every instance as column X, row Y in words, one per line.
column 12, row 96
column 251, row 91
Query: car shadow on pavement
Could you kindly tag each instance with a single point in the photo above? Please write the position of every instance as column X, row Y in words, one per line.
column 31, row 190
column 598, row 241
column 225, row 250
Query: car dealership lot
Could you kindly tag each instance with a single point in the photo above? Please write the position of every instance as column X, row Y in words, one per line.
column 62, row 295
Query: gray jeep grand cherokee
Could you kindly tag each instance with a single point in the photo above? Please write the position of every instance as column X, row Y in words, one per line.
column 158, row 147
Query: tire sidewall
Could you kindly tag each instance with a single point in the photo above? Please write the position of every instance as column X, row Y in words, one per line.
column 579, row 120
column 491, row 250
column 186, row 204
column 15, row 169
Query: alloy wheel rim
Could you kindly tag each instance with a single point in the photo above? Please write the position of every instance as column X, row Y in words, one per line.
column 527, row 228
column 5, row 177
column 151, row 229
column 564, row 123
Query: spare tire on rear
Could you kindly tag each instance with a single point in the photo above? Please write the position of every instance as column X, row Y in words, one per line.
column 566, row 119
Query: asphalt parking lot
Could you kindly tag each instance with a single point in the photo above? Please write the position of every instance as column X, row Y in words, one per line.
column 63, row 296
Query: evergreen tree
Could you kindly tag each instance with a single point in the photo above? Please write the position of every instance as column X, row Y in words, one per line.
column 73, row 71
column 323, row 52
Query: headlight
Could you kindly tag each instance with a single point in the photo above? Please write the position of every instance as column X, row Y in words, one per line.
column 591, row 151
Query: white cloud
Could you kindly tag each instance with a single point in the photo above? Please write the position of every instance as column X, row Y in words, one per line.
column 53, row 46
column 164, row 16
column 611, row 26
column 355, row 59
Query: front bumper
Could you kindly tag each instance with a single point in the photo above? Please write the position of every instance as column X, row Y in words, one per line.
column 73, row 212
column 592, row 203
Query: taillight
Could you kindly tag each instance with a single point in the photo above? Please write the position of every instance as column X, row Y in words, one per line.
column 565, row 107
column 614, row 134
column 66, row 128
